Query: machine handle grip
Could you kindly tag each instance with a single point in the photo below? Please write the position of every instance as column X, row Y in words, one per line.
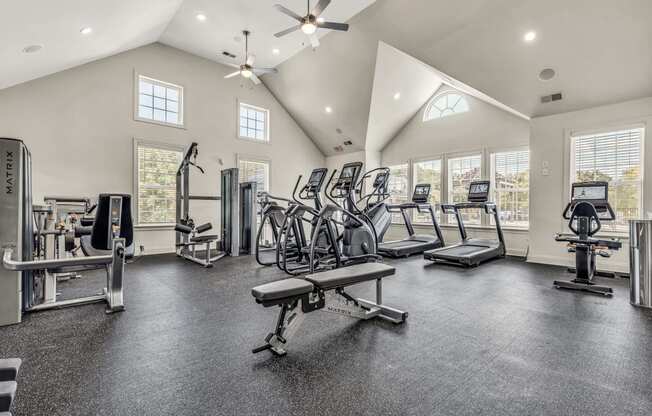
column 182, row 228
column 204, row 227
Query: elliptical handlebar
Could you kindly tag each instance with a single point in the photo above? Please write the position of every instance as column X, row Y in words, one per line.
column 329, row 192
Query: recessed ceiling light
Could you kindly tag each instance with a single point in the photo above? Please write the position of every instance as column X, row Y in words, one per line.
column 547, row 74
column 328, row 109
column 32, row 48
column 86, row 30
column 397, row 95
column 201, row 17
column 276, row 51
column 530, row 36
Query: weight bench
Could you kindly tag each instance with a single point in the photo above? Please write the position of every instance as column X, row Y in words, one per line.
column 323, row 291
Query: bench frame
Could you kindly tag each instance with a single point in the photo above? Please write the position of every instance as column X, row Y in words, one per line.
column 333, row 300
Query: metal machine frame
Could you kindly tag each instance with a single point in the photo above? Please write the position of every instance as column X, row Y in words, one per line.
column 238, row 216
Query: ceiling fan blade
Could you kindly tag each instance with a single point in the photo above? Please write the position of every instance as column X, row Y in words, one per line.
column 288, row 12
column 333, row 25
column 286, row 31
column 251, row 59
column 232, row 74
column 314, row 40
column 255, row 79
column 232, row 65
column 266, row 70
column 319, row 8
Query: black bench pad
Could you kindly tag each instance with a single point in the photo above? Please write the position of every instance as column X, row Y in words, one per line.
column 9, row 368
column 281, row 289
column 204, row 238
column 350, row 275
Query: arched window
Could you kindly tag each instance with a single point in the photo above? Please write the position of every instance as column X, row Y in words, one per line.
column 445, row 104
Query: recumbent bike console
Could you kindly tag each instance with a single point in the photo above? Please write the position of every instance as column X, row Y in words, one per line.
column 585, row 212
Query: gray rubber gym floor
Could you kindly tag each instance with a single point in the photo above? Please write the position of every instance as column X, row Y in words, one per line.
column 493, row 340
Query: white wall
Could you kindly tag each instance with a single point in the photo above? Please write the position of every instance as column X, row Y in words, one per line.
column 79, row 126
column 549, row 143
column 337, row 161
column 483, row 128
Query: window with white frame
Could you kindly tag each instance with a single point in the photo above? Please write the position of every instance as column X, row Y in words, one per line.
column 253, row 123
column 615, row 157
column 254, row 170
column 445, row 104
column 461, row 172
column 156, row 172
column 428, row 171
column 398, row 187
column 159, row 102
column 510, row 177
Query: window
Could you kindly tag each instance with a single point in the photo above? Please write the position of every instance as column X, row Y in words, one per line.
column 445, row 104
column 254, row 123
column 398, row 188
column 254, row 171
column 428, row 171
column 510, row 177
column 156, row 177
column 461, row 172
column 614, row 157
column 159, row 102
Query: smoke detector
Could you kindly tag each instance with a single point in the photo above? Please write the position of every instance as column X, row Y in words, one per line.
column 550, row 98
column 547, row 74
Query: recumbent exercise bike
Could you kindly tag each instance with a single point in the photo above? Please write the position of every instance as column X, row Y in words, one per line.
column 585, row 212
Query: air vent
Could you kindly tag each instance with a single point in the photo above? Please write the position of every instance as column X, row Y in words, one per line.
column 348, row 143
column 550, row 98
column 228, row 54
column 338, row 148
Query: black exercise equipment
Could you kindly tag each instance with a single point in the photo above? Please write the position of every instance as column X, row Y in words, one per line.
column 414, row 243
column 323, row 291
column 471, row 251
column 589, row 206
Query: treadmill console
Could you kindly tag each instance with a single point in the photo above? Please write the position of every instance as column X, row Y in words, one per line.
column 421, row 193
column 479, row 191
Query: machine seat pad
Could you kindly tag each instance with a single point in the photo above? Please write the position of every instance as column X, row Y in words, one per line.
column 9, row 368
column 204, row 238
column 282, row 289
column 351, row 275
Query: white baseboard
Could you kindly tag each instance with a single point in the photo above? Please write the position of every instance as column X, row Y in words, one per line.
column 155, row 251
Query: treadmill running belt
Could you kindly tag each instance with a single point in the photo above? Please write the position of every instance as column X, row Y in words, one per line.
column 403, row 243
column 461, row 251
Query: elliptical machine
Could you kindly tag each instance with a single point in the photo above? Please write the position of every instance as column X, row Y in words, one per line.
column 585, row 212
column 375, row 207
column 357, row 242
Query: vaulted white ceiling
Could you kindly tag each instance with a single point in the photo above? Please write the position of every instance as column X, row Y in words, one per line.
column 120, row 25
column 600, row 49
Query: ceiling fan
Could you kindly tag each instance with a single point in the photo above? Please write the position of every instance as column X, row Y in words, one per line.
column 247, row 69
column 310, row 22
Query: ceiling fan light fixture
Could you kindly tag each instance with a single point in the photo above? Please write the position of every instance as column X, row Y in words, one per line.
column 308, row 28
column 246, row 73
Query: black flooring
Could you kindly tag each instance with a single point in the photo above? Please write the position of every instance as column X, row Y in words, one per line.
column 495, row 340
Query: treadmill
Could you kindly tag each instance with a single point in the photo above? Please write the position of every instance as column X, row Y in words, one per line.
column 414, row 243
column 471, row 251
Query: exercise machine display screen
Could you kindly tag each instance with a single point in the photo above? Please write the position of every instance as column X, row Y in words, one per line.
column 595, row 192
column 421, row 193
column 348, row 172
column 479, row 191
column 316, row 177
column 380, row 180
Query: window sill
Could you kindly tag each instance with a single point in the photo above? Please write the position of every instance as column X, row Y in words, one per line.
column 154, row 227
column 160, row 123
column 249, row 139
